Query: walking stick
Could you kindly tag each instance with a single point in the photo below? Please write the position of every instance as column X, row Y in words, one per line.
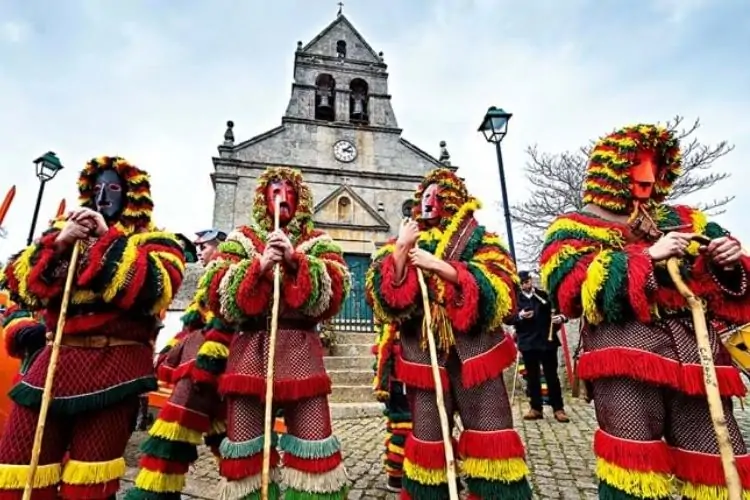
column 734, row 486
column 266, row 471
column 450, row 461
column 36, row 450
column 515, row 378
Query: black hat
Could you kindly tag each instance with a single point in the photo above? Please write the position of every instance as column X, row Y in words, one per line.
column 210, row 235
column 524, row 275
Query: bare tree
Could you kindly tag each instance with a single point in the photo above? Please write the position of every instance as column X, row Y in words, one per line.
column 557, row 183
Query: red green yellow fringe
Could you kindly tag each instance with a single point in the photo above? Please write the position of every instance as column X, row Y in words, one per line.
column 91, row 479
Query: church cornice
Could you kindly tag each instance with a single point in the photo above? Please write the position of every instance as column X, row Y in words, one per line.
column 341, row 125
column 338, row 90
column 336, row 66
column 249, row 142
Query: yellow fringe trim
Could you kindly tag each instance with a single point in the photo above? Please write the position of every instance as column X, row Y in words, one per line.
column 159, row 482
column 596, row 276
column 706, row 492
column 608, row 237
column 507, row 469
column 430, row 477
column 172, row 431
column 636, row 483
column 401, row 425
column 441, row 327
column 213, row 349
column 77, row 472
column 14, row 477
column 399, row 450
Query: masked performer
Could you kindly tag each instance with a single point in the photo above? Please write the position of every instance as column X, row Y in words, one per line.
column 607, row 264
column 238, row 287
column 127, row 273
column 192, row 414
column 471, row 281
column 392, row 392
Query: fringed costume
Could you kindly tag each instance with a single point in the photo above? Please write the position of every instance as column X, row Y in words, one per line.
column 236, row 349
column 391, row 392
column 473, row 348
column 123, row 279
column 24, row 335
column 640, row 353
column 193, row 414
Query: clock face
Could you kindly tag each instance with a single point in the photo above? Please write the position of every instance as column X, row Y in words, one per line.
column 344, row 151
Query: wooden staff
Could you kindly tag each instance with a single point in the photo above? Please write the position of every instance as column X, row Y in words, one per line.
column 54, row 354
column 266, row 471
column 718, row 419
column 450, row 462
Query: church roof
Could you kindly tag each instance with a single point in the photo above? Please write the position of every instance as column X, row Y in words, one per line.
column 342, row 22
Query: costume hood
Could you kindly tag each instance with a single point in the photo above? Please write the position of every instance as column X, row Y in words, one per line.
column 608, row 176
column 137, row 212
column 302, row 221
column 453, row 195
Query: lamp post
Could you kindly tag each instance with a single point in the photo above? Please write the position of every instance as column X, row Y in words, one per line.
column 494, row 127
column 47, row 167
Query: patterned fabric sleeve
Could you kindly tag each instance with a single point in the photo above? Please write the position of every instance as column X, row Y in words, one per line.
column 391, row 300
column 36, row 275
column 22, row 332
column 141, row 271
column 485, row 294
column 321, row 281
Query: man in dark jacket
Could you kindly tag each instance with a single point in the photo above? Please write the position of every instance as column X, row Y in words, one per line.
column 533, row 323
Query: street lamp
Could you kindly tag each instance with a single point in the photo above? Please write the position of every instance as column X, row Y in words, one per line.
column 494, row 127
column 47, row 167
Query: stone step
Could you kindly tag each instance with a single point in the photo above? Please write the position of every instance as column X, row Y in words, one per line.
column 356, row 410
column 343, row 338
column 352, row 350
column 351, row 394
column 351, row 377
column 349, row 362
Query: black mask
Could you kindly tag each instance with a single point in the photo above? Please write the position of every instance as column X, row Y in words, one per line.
column 109, row 194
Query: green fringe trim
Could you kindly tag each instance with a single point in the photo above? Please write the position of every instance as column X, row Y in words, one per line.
column 398, row 440
column 139, row 494
column 274, row 493
column 243, row 449
column 31, row 397
column 398, row 417
column 175, row 451
column 302, row 448
column 209, row 364
column 292, row 494
column 419, row 491
column 609, row 492
column 517, row 490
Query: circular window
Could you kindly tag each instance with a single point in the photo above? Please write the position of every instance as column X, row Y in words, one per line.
column 406, row 207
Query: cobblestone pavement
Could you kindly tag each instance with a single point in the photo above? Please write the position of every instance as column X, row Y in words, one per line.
column 559, row 455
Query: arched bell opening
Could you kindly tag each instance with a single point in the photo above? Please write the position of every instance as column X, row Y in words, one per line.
column 358, row 101
column 325, row 97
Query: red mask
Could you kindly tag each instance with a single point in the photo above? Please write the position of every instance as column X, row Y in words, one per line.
column 643, row 174
column 288, row 206
column 432, row 206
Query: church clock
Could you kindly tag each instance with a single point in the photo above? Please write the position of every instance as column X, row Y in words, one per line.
column 344, row 151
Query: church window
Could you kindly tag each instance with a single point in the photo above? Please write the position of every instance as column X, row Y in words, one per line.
column 325, row 97
column 358, row 105
column 341, row 49
column 344, row 209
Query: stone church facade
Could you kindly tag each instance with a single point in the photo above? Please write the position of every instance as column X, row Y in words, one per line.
column 340, row 131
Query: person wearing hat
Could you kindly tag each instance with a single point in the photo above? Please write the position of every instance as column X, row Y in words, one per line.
column 533, row 323
column 207, row 242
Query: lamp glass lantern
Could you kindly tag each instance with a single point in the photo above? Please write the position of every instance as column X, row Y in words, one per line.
column 47, row 166
column 495, row 124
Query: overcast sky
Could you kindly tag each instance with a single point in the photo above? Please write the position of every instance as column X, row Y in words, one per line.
column 155, row 81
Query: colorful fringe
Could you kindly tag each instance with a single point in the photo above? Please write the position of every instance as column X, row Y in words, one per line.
column 313, row 470
column 483, row 297
column 95, row 480
column 425, row 476
column 398, row 427
column 168, row 452
column 702, row 475
column 385, row 363
column 241, row 468
column 494, row 464
column 590, row 269
column 46, row 480
column 607, row 182
column 630, row 470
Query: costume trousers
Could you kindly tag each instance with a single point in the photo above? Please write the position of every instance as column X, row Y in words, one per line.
column 95, row 441
column 313, row 467
column 535, row 361
column 493, row 456
column 192, row 414
column 398, row 427
column 647, row 434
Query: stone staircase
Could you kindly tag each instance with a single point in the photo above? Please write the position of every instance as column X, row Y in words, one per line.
column 350, row 369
